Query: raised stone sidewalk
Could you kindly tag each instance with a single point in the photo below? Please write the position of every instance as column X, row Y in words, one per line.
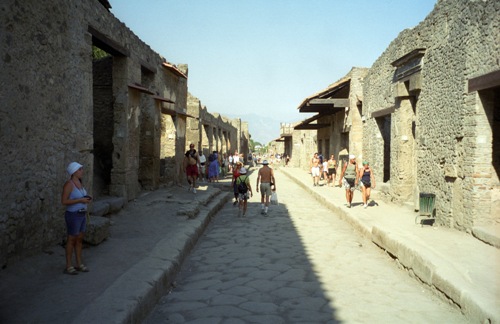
column 453, row 263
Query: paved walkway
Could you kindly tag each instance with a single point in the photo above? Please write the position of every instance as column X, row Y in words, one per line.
column 455, row 263
column 151, row 236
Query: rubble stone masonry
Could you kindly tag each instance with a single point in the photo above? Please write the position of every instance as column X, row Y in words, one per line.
column 424, row 130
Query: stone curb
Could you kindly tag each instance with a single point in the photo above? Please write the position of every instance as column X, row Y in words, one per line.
column 423, row 266
column 134, row 294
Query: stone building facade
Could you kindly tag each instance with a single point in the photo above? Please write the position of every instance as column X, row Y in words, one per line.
column 214, row 132
column 298, row 144
column 122, row 114
column 426, row 116
column 431, row 104
column 338, row 122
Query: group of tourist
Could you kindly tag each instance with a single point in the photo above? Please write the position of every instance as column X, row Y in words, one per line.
column 242, row 189
column 240, row 182
column 207, row 169
column 351, row 176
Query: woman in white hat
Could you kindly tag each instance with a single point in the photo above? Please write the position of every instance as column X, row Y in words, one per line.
column 75, row 198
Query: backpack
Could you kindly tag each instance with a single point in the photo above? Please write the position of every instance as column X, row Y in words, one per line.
column 242, row 186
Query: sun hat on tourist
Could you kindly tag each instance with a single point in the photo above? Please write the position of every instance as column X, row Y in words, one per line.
column 265, row 162
column 73, row 167
column 352, row 156
column 243, row 171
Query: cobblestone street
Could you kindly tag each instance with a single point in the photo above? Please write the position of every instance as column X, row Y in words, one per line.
column 300, row 264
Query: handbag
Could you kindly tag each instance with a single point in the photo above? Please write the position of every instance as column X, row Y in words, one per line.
column 274, row 198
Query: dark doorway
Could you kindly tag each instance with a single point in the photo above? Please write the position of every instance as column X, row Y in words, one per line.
column 103, row 114
column 384, row 125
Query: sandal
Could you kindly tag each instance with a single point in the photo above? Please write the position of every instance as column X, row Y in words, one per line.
column 70, row 271
column 82, row 268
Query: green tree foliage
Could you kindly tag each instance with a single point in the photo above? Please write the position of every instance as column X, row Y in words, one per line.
column 254, row 146
column 98, row 53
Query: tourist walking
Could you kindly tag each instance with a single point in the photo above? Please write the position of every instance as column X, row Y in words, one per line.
column 315, row 169
column 366, row 181
column 244, row 191
column 236, row 174
column 332, row 170
column 326, row 177
column 349, row 178
column 213, row 167
column 223, row 165
column 266, row 179
column 202, row 170
column 190, row 163
column 75, row 198
column 231, row 163
column 236, row 157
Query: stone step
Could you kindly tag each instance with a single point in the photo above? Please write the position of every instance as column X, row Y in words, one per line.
column 98, row 226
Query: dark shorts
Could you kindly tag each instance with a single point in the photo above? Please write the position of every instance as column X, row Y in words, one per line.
column 332, row 171
column 366, row 184
column 76, row 222
column 192, row 170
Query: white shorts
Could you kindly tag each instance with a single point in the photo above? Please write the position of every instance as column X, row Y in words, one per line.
column 315, row 171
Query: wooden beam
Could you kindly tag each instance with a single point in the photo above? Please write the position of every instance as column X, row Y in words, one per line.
column 320, row 108
column 160, row 98
column 485, row 81
column 107, row 44
column 311, row 126
column 336, row 102
column 383, row 112
column 147, row 66
column 140, row 88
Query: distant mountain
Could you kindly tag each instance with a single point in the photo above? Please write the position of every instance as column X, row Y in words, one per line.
column 262, row 129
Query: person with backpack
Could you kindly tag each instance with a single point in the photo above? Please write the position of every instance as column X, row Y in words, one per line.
column 244, row 191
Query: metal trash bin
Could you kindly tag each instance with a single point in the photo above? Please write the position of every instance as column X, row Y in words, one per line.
column 426, row 202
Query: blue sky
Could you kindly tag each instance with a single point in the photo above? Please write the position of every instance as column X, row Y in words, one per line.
column 264, row 57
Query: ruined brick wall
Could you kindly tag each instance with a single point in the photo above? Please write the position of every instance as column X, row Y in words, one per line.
column 435, row 142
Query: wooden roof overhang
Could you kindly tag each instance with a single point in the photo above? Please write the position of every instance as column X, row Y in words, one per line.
column 331, row 100
column 174, row 69
column 306, row 124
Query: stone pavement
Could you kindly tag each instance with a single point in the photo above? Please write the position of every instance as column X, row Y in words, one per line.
column 299, row 264
column 151, row 236
column 128, row 272
column 454, row 263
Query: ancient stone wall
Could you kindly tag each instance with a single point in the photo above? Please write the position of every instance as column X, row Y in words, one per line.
column 305, row 144
column 418, row 110
column 212, row 131
column 50, row 87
